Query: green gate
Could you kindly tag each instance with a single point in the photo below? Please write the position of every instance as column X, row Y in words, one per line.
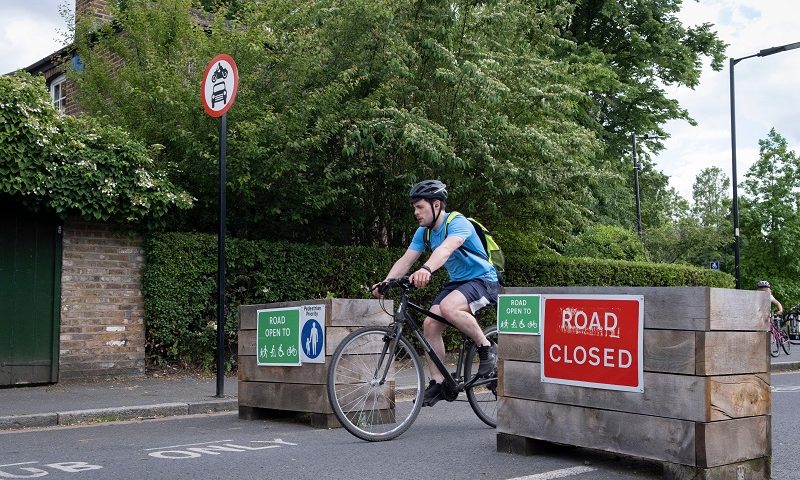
column 30, row 286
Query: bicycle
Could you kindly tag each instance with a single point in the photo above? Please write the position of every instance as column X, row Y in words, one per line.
column 778, row 336
column 793, row 325
column 376, row 379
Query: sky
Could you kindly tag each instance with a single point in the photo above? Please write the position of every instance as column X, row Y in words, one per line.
column 766, row 92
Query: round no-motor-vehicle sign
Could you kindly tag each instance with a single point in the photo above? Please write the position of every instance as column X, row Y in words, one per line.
column 220, row 82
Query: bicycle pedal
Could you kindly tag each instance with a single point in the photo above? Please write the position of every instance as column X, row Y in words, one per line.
column 449, row 394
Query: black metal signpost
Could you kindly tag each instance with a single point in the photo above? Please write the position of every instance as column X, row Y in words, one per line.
column 218, row 90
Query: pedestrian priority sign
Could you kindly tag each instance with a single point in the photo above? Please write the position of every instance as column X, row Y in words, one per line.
column 312, row 333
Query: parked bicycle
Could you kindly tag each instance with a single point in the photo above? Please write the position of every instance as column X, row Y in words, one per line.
column 792, row 319
column 376, row 379
column 778, row 336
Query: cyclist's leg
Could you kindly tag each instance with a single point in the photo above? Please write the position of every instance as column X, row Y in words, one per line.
column 460, row 307
column 455, row 308
column 433, row 330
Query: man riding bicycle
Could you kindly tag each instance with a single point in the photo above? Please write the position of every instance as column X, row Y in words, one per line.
column 473, row 280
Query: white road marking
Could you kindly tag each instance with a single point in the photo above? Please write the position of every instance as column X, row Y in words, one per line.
column 785, row 388
column 15, row 464
column 186, row 445
column 564, row 472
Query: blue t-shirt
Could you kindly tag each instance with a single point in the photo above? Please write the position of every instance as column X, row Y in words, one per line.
column 461, row 265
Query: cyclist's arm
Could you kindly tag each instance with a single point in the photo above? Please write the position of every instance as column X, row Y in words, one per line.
column 403, row 264
column 422, row 277
column 400, row 268
column 443, row 252
column 777, row 304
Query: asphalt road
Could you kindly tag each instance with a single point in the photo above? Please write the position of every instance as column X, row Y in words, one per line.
column 786, row 425
column 446, row 442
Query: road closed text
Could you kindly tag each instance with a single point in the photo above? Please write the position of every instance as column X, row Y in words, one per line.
column 580, row 355
column 593, row 341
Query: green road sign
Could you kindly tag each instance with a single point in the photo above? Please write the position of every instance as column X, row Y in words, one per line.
column 278, row 339
column 519, row 314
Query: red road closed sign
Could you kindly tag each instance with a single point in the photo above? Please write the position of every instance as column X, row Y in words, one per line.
column 593, row 341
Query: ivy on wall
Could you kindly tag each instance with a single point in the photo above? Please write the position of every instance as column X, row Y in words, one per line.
column 77, row 165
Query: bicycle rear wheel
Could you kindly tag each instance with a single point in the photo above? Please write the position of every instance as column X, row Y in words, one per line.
column 369, row 405
column 482, row 397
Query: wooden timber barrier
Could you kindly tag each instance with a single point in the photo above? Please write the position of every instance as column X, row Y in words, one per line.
column 705, row 411
column 298, row 392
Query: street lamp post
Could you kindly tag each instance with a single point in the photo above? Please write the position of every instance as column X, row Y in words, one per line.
column 636, row 168
column 733, row 61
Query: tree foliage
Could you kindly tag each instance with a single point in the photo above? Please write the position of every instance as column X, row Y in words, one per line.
column 647, row 47
column 76, row 165
column 770, row 219
column 342, row 105
column 606, row 241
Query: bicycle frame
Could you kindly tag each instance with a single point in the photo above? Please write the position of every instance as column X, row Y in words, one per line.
column 779, row 335
column 405, row 317
column 775, row 326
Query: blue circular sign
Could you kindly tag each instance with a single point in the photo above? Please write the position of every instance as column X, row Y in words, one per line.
column 311, row 338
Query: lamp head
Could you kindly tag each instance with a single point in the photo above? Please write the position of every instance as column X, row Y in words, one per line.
column 773, row 50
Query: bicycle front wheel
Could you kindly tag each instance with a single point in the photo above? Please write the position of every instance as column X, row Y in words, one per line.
column 785, row 344
column 483, row 396
column 372, row 388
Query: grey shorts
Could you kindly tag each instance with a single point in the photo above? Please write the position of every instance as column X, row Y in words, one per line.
column 478, row 292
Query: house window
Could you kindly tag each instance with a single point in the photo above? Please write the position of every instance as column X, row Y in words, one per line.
column 57, row 93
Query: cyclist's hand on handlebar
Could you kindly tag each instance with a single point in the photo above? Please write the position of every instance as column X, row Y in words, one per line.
column 381, row 288
column 378, row 289
column 421, row 278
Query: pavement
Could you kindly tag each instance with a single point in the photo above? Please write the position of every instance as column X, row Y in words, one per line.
column 112, row 399
column 150, row 396
column 786, row 363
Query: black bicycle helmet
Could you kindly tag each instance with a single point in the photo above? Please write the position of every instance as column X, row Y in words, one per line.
column 763, row 284
column 428, row 190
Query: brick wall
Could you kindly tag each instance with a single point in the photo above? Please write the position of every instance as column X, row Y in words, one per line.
column 102, row 311
column 93, row 8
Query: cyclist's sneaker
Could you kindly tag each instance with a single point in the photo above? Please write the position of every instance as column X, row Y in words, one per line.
column 433, row 394
column 488, row 356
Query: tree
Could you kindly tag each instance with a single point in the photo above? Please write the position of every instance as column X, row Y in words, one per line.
column 519, row 106
column 710, row 201
column 647, row 48
column 698, row 235
column 343, row 105
column 711, row 207
column 770, row 224
column 606, row 241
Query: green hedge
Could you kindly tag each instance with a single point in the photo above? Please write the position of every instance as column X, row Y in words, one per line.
column 569, row 271
column 179, row 284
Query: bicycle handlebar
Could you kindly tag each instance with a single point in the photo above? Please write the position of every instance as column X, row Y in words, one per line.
column 402, row 282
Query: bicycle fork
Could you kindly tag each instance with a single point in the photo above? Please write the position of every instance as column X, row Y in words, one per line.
column 388, row 348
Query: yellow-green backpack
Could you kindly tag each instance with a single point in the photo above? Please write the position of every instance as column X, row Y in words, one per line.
column 492, row 251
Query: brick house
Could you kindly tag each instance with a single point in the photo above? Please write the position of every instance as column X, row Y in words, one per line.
column 80, row 313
